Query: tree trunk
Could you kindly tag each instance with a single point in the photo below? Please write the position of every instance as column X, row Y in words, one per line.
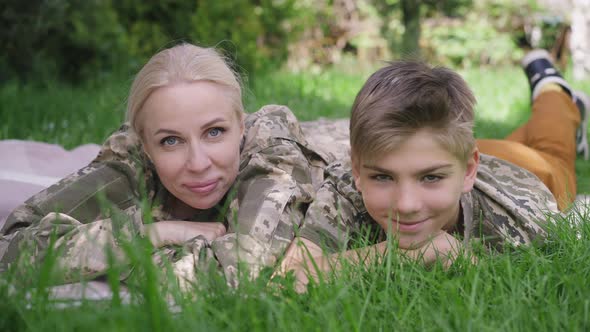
column 580, row 39
column 411, row 20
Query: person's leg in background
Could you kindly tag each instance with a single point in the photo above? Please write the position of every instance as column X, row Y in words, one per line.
column 547, row 144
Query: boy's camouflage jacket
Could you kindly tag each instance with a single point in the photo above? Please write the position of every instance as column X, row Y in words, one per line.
column 279, row 172
column 508, row 204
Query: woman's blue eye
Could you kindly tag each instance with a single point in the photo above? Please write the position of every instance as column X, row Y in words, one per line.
column 169, row 141
column 214, row 132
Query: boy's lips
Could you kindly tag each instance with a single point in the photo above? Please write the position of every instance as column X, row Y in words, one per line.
column 408, row 226
column 202, row 187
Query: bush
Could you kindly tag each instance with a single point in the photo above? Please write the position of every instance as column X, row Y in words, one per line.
column 472, row 41
column 76, row 39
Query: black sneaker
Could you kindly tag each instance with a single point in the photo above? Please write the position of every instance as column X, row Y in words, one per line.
column 540, row 70
column 583, row 102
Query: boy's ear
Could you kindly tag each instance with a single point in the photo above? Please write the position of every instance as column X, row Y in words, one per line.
column 356, row 174
column 471, row 171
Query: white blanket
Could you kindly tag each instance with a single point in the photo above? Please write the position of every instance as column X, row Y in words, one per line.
column 28, row 167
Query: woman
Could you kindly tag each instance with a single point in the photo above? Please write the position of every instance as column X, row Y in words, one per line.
column 222, row 183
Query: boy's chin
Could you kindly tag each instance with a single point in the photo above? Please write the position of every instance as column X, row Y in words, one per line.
column 411, row 242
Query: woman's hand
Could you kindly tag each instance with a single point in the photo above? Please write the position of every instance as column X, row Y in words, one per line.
column 168, row 232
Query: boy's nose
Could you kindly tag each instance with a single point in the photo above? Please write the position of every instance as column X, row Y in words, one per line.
column 407, row 202
column 197, row 159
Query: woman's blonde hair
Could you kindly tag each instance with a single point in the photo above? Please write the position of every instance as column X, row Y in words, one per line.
column 182, row 63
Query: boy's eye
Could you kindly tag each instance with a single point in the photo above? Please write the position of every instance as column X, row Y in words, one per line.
column 169, row 141
column 381, row 177
column 215, row 132
column 431, row 178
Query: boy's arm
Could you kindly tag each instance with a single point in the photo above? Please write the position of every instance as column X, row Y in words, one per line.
column 307, row 261
column 328, row 224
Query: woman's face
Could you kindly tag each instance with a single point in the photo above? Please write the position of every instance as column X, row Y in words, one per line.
column 192, row 134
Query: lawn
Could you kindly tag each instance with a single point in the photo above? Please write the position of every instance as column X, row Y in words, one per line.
column 544, row 288
column 71, row 116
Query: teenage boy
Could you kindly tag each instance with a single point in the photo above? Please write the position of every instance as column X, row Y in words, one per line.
column 417, row 172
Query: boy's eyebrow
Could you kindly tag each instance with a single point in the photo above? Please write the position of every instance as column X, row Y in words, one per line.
column 422, row 171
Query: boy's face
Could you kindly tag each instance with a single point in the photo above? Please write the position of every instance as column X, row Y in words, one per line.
column 414, row 190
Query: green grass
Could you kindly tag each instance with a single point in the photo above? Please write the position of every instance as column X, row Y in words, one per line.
column 527, row 289
column 537, row 289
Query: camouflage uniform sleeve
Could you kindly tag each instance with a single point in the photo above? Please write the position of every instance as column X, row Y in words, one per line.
column 272, row 191
column 508, row 205
column 78, row 210
column 333, row 216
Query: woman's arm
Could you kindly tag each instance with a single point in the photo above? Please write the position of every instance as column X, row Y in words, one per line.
column 84, row 211
column 171, row 232
column 272, row 192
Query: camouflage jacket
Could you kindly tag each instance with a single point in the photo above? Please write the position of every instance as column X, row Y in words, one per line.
column 508, row 204
column 278, row 175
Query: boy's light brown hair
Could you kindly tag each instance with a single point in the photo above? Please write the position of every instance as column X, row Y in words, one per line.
column 405, row 96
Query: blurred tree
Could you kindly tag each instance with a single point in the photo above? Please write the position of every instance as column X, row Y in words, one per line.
column 71, row 37
column 78, row 39
column 580, row 40
column 411, row 21
column 412, row 12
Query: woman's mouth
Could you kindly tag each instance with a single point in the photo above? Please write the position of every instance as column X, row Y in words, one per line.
column 202, row 187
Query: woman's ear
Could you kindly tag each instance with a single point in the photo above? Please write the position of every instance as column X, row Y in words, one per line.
column 471, row 170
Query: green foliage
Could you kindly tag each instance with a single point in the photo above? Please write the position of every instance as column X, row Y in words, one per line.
column 252, row 32
column 403, row 28
column 465, row 33
column 77, row 39
column 470, row 42
column 74, row 38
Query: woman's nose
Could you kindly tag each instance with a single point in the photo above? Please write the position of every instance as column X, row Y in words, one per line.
column 198, row 159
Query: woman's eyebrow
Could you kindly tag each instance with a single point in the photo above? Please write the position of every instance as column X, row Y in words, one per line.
column 166, row 131
column 212, row 122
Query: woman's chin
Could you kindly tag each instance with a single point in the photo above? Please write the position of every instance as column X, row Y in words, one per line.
column 204, row 204
column 201, row 203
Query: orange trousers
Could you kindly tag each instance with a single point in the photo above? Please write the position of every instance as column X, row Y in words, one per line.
column 545, row 145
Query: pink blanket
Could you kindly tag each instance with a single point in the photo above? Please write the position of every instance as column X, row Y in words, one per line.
column 28, row 167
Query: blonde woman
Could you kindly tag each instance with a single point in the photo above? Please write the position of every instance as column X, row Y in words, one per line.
column 228, row 186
